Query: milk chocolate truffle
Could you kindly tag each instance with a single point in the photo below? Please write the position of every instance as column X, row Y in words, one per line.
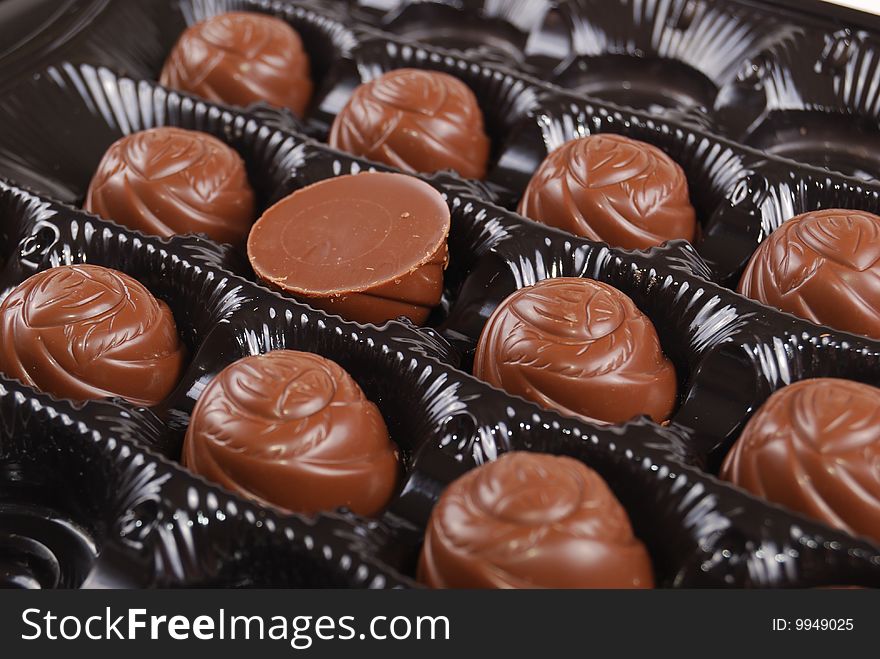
column 532, row 521
column 814, row 447
column 168, row 181
column 86, row 332
column 580, row 347
column 612, row 189
column 370, row 247
column 417, row 121
column 292, row 429
column 241, row 58
column 822, row 266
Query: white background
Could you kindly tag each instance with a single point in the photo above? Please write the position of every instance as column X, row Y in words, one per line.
column 872, row 6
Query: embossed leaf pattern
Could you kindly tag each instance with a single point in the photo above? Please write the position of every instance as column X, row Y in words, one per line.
column 499, row 522
column 848, row 238
column 86, row 331
column 566, row 343
column 814, row 447
column 306, row 394
column 279, row 405
column 836, row 420
column 277, row 427
column 211, row 57
column 167, row 181
column 156, row 155
column 212, row 176
column 384, row 117
column 796, row 265
column 416, row 91
column 242, row 34
column 823, row 266
column 614, row 189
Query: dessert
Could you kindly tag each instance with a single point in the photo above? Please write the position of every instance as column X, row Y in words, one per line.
column 580, row 347
column 822, row 266
column 168, row 181
column 370, row 247
column 612, row 189
column 529, row 520
column 86, row 332
column 814, row 447
column 293, row 430
column 241, row 58
column 416, row 121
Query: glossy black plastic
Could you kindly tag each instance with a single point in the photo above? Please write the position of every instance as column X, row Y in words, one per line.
column 729, row 353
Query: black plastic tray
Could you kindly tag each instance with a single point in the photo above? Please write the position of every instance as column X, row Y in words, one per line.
column 141, row 520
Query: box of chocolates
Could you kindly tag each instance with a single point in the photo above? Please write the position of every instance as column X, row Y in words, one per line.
column 368, row 294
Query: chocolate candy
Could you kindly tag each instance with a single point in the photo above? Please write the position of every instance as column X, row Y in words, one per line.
column 294, row 430
column 612, row 189
column 168, row 181
column 370, row 247
column 814, row 447
column 242, row 58
column 580, row 347
column 532, row 521
column 417, row 121
column 86, row 332
column 822, row 266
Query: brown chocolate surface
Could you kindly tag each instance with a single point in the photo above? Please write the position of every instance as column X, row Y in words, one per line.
column 417, row 121
column 168, row 181
column 612, row 189
column 529, row 520
column 294, row 430
column 580, row 347
column 370, row 247
column 242, row 58
column 86, row 332
column 822, row 266
column 814, row 447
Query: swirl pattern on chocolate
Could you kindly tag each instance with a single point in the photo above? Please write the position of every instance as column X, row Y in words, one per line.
column 294, row 430
column 814, row 447
column 168, row 181
column 85, row 332
column 241, row 58
column 612, row 189
column 580, row 347
column 822, row 266
column 529, row 520
column 417, row 121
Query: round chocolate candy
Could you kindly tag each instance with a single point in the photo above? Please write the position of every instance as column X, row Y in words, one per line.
column 580, row 347
column 242, row 58
column 417, row 121
column 86, row 332
column 529, row 520
column 612, row 189
column 168, row 181
column 814, row 447
column 822, row 266
column 294, row 430
column 370, row 247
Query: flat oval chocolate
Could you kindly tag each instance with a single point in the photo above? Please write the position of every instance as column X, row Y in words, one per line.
column 529, row 520
column 370, row 247
column 416, row 121
column 85, row 332
column 168, row 181
column 822, row 266
column 612, row 189
column 814, row 447
column 241, row 58
column 580, row 347
column 294, row 430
